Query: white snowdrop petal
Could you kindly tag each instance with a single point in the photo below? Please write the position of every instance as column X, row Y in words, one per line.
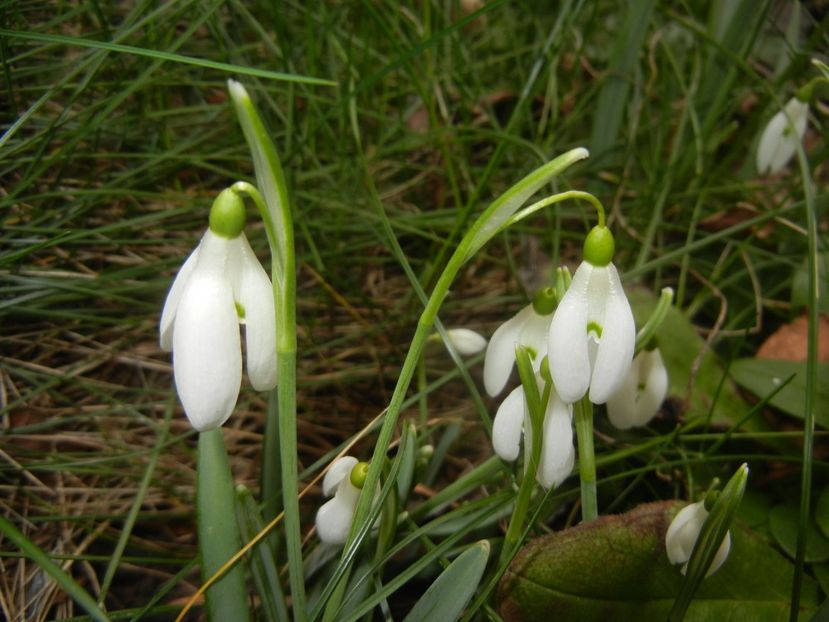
column 500, row 352
column 683, row 532
column 721, row 556
column 171, row 303
column 621, row 405
column 557, row 451
column 467, row 342
column 207, row 360
column 335, row 516
column 777, row 144
column 653, row 375
column 641, row 393
column 567, row 345
column 617, row 341
column 340, row 468
column 535, row 333
column 254, row 292
column 507, row 426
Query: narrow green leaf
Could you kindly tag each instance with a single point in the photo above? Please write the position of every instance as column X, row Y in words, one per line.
column 159, row 55
column 491, row 220
column 611, row 105
column 66, row 582
column 451, row 591
column 262, row 559
column 407, row 465
column 822, row 512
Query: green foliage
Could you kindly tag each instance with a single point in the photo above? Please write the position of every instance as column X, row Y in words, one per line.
column 396, row 125
column 783, row 384
column 695, row 372
column 616, row 568
column 454, row 587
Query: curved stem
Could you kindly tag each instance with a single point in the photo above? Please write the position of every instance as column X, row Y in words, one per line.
column 558, row 198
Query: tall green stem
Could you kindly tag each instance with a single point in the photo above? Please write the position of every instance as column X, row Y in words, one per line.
column 219, row 538
column 275, row 208
column 583, row 415
column 810, row 403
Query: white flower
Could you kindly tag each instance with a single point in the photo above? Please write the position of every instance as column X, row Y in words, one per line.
column 335, row 516
column 466, row 342
column 682, row 534
column 557, row 452
column 641, row 393
column 221, row 285
column 527, row 328
column 778, row 143
column 592, row 335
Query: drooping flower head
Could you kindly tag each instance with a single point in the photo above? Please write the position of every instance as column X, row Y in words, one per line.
column 557, row 452
column 345, row 481
column 219, row 287
column 641, row 393
column 529, row 328
column 779, row 140
column 592, row 334
column 682, row 534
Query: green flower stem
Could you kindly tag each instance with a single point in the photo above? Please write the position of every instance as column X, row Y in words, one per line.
column 422, row 402
column 219, row 538
column 536, row 407
column 558, row 198
column 583, row 414
column 810, row 403
column 275, row 208
column 484, row 228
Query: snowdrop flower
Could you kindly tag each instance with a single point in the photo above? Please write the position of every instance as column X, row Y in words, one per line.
column 778, row 142
column 466, row 342
column 557, row 452
column 219, row 287
column 529, row 327
column 683, row 532
column 641, row 393
column 344, row 480
column 592, row 334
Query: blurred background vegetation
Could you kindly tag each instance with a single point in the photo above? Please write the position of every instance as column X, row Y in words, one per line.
column 117, row 134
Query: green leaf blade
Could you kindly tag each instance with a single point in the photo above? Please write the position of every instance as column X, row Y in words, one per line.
column 451, row 591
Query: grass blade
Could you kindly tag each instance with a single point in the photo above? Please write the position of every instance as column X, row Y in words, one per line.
column 37, row 555
column 159, row 55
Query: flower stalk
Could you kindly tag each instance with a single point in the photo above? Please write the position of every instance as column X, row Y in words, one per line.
column 583, row 418
column 219, row 538
column 280, row 447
